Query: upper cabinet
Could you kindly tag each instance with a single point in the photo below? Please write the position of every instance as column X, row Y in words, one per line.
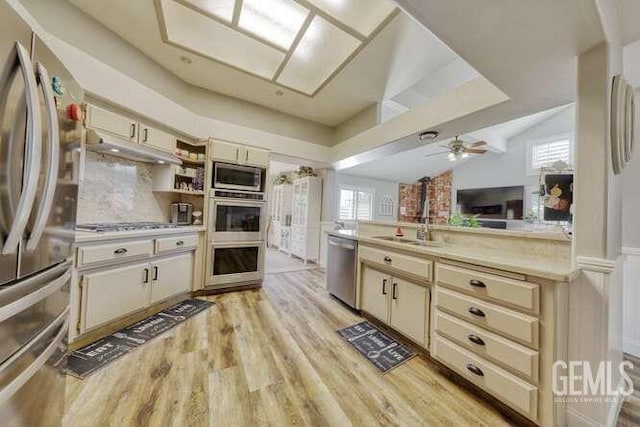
column 127, row 128
column 229, row 152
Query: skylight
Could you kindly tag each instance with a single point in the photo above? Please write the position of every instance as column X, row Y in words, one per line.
column 276, row 21
column 296, row 44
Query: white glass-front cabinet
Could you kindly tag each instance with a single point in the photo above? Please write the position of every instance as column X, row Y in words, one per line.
column 281, row 216
column 305, row 221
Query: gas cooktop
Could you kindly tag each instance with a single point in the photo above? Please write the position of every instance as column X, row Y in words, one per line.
column 123, row 226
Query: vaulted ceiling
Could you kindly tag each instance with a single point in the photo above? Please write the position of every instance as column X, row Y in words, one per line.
column 321, row 60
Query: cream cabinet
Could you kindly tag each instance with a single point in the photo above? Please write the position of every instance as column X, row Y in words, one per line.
column 113, row 293
column 409, row 312
column 107, row 121
column 305, row 218
column 128, row 128
column 229, row 152
column 401, row 304
column 171, row 276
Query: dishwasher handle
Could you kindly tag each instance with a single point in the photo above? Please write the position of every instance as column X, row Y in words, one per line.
column 342, row 245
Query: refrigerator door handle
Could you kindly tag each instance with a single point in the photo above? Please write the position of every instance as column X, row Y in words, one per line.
column 42, row 358
column 51, row 175
column 33, row 150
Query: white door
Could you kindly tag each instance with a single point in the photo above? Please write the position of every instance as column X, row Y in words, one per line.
column 409, row 309
column 255, row 157
column 100, row 119
column 376, row 287
column 226, row 152
column 157, row 138
column 171, row 276
column 114, row 293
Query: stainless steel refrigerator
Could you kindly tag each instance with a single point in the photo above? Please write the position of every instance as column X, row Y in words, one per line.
column 40, row 132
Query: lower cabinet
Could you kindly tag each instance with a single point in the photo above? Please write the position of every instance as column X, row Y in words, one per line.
column 171, row 276
column 118, row 291
column 401, row 304
column 113, row 293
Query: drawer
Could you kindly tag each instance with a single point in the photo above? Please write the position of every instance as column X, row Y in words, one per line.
column 117, row 251
column 489, row 286
column 408, row 264
column 499, row 319
column 176, row 243
column 506, row 353
column 518, row 394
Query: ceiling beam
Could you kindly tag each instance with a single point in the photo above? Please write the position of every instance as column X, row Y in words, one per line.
column 237, row 7
column 347, row 29
column 294, row 45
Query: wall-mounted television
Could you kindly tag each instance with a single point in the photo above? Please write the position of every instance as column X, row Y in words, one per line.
column 492, row 203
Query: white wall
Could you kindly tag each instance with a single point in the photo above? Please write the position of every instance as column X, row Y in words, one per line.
column 509, row 168
column 380, row 189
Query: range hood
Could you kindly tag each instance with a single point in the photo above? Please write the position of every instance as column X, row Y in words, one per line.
column 104, row 143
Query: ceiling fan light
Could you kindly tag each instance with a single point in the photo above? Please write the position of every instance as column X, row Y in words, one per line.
column 452, row 157
column 465, row 155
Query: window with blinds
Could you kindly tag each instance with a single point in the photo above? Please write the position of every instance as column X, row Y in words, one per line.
column 544, row 154
column 355, row 204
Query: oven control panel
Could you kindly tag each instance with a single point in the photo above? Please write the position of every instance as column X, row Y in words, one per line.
column 244, row 195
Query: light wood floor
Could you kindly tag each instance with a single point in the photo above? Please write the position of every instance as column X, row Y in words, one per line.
column 268, row 357
column 630, row 412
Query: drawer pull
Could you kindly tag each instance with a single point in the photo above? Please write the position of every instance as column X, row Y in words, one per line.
column 120, row 251
column 395, row 289
column 475, row 370
column 477, row 283
column 387, row 258
column 180, row 243
column 476, row 312
column 475, row 339
column 384, row 286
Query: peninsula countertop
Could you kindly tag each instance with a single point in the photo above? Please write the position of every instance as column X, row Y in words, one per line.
column 557, row 270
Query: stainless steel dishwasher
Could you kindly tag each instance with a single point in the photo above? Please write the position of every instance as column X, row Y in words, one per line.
column 341, row 269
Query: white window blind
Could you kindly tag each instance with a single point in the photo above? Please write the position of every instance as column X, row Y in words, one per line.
column 355, row 204
column 544, row 155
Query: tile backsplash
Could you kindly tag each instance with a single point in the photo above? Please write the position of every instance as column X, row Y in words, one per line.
column 119, row 190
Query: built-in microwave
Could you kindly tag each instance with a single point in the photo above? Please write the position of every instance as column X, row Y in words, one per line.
column 236, row 177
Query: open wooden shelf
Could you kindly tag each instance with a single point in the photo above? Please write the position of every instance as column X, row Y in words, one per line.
column 193, row 162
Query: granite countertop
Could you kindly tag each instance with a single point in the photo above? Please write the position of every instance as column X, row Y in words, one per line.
column 529, row 265
column 88, row 236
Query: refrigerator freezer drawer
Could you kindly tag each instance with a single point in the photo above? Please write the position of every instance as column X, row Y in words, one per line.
column 30, row 306
column 32, row 382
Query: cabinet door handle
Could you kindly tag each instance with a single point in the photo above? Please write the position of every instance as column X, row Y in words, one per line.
column 476, row 312
column 146, row 276
column 133, row 130
column 387, row 258
column 155, row 272
column 475, row 339
column 384, row 286
column 145, row 134
column 180, row 243
column 120, row 251
column 477, row 283
column 394, row 291
column 237, row 153
column 475, row 370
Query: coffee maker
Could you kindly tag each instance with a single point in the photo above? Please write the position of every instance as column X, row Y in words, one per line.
column 181, row 213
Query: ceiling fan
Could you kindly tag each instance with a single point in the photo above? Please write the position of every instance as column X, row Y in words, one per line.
column 459, row 150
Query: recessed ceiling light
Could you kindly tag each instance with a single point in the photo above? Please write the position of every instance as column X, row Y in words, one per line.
column 279, row 93
column 161, row 162
column 114, row 150
column 185, row 60
column 276, row 21
column 428, row 135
